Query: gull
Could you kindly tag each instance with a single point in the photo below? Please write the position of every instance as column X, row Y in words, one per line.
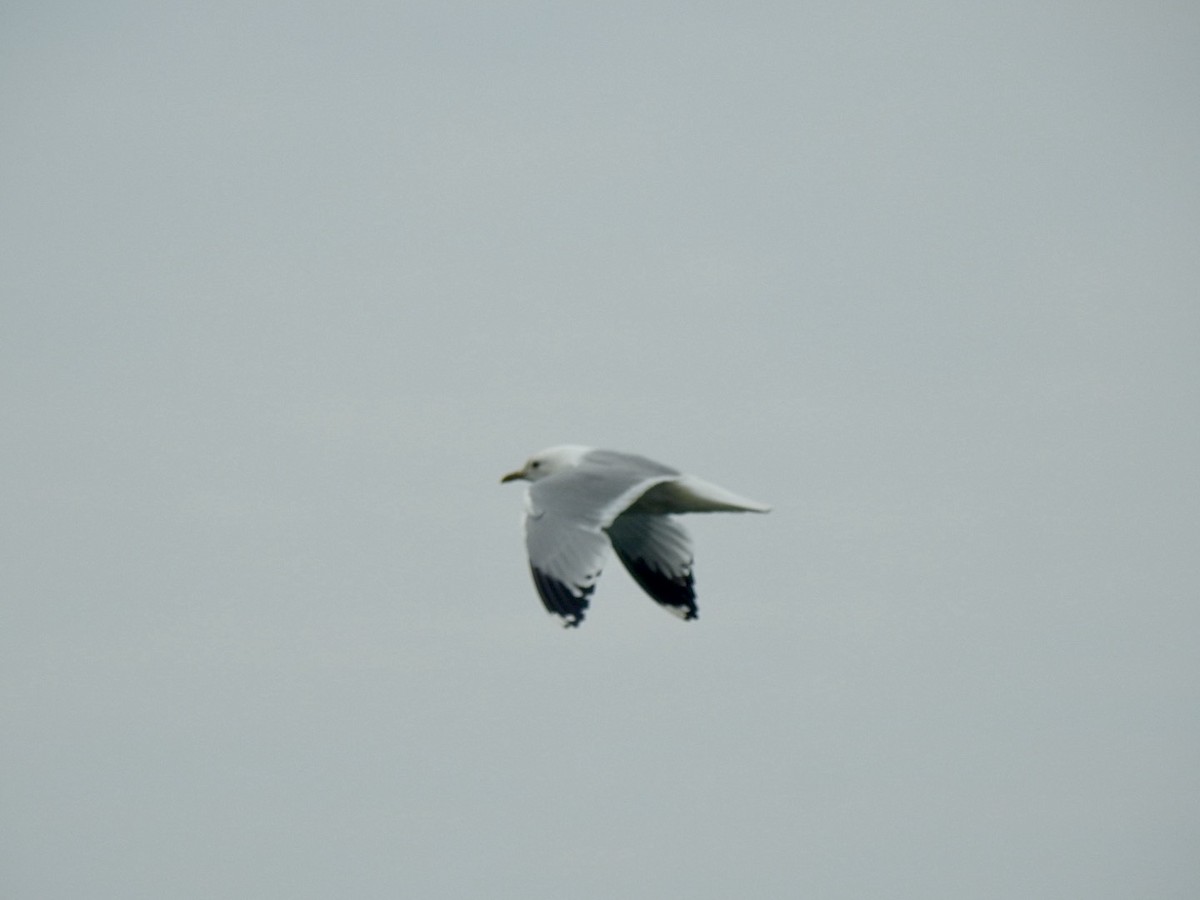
column 580, row 500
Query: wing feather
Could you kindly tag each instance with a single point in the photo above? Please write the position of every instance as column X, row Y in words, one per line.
column 658, row 554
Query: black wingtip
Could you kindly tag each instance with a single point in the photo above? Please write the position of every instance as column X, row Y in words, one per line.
column 676, row 594
column 561, row 600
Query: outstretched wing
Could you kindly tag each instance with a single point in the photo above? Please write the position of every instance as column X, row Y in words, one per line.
column 658, row 554
column 566, row 557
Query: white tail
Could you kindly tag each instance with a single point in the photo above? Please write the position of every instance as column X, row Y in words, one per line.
column 687, row 493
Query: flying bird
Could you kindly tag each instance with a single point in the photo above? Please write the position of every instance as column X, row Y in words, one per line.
column 581, row 500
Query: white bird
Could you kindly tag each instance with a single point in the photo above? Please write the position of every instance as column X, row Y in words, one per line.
column 580, row 500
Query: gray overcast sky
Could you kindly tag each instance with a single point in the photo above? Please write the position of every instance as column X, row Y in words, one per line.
column 288, row 286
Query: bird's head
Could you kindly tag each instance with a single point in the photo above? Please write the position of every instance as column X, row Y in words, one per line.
column 548, row 462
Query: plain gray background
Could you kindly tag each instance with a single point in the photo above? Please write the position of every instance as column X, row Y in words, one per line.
column 287, row 287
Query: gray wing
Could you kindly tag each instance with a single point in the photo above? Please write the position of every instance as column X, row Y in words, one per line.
column 658, row 554
column 566, row 557
column 565, row 522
